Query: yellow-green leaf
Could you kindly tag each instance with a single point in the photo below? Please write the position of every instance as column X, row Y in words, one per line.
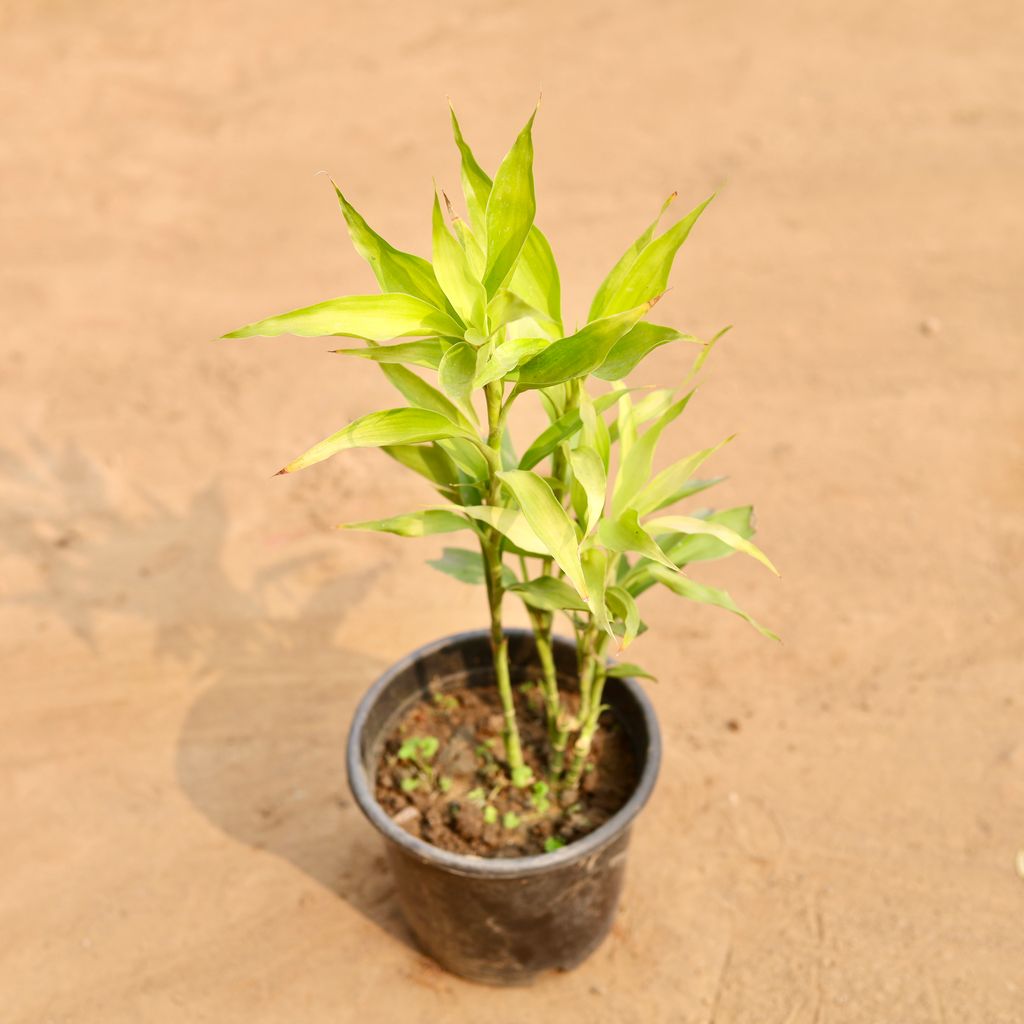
column 548, row 594
column 430, row 462
column 511, row 523
column 611, row 284
column 380, row 430
column 511, row 206
column 426, row 353
column 636, row 463
column 702, row 547
column 396, row 271
column 506, row 357
column 623, row 607
column 413, row 524
column 476, row 183
column 451, row 265
column 580, row 353
column 588, row 470
column 648, row 275
column 418, row 392
column 374, row 317
column 595, row 571
column 548, row 520
column 625, row 533
column 633, row 346
column 666, row 486
column 535, row 277
column 455, row 374
column 563, row 428
column 693, row 591
column 690, row 524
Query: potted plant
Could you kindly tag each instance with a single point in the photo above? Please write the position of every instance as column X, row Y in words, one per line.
column 504, row 767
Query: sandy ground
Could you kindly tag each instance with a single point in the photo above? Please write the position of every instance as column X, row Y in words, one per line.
column 183, row 639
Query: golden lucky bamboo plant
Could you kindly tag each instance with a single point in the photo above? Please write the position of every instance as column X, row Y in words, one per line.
column 564, row 527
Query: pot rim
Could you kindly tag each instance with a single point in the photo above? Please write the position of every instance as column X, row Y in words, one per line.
column 471, row 864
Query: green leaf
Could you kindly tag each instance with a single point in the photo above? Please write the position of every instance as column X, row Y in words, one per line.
column 686, row 490
column 490, row 814
column 374, row 317
column 627, row 534
column 429, row 461
column 693, row 591
column 595, row 433
column 456, row 373
column 698, row 363
column 580, row 353
column 426, row 353
column 625, row 429
column 511, row 206
column 548, row 594
column 616, row 276
column 536, row 278
column 476, row 184
column 510, row 820
column 553, row 843
column 508, row 308
column 694, row 547
column 396, row 271
column 649, row 272
column 636, row 463
column 509, row 459
column 510, row 523
column 467, row 456
column 633, row 346
column 564, row 428
column 414, row 524
column 506, row 357
column 670, row 482
column 419, row 393
column 451, row 266
column 651, row 406
column 379, row 430
column 624, row 608
column 627, row 670
column 588, row 470
column 465, row 566
column 595, row 571
column 548, row 520
column 690, row 524
column 410, row 784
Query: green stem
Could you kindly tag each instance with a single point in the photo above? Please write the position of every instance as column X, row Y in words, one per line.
column 558, row 735
column 491, row 543
column 581, row 748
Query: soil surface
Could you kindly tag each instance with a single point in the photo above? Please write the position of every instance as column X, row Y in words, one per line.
column 183, row 638
column 457, row 795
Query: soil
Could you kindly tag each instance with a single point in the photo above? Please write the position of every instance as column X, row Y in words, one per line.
column 459, row 799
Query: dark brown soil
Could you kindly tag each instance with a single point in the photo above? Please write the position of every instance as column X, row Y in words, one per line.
column 447, row 799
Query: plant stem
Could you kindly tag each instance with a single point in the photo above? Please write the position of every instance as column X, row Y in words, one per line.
column 558, row 735
column 581, row 748
column 491, row 542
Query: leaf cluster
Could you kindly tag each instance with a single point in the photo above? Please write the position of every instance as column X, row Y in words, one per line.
column 579, row 524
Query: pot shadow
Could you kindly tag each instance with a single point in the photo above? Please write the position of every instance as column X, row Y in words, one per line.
column 260, row 753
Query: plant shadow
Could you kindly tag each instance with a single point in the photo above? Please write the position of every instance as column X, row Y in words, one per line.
column 260, row 753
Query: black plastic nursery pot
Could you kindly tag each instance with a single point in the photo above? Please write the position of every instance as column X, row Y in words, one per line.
column 501, row 921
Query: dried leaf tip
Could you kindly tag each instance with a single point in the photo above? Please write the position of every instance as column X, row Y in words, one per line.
column 281, row 472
